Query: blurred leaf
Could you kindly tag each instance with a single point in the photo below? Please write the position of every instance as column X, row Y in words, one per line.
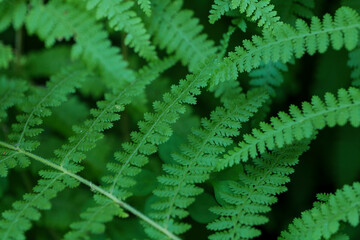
column 199, row 210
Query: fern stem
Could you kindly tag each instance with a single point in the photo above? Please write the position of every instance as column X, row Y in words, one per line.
column 94, row 188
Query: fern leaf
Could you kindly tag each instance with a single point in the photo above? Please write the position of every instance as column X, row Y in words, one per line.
column 70, row 155
column 106, row 114
column 12, row 12
column 145, row 5
column 354, row 62
column 11, row 93
column 248, row 200
column 178, row 32
column 6, row 55
column 154, row 130
column 260, row 11
column 56, row 20
column 323, row 220
column 218, row 9
column 177, row 189
column 38, row 104
column 224, row 70
column 283, row 41
column 300, row 124
column 122, row 18
column 37, row 107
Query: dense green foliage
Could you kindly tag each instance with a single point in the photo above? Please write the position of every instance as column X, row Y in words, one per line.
column 176, row 119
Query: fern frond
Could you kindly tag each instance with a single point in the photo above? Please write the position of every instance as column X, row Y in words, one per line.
column 72, row 180
column 300, row 124
column 38, row 105
column 178, row 32
column 260, row 11
column 6, row 55
column 323, row 220
column 177, row 189
column 218, row 9
column 69, row 155
column 122, row 18
column 247, row 201
column 11, row 93
column 87, row 135
column 12, row 12
column 56, row 20
column 91, row 131
column 283, row 41
column 224, row 70
column 35, row 109
column 354, row 62
column 145, row 5
column 153, row 131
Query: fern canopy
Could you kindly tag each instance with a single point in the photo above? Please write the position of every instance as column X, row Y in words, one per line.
column 151, row 119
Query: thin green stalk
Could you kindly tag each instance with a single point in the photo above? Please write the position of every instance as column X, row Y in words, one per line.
column 93, row 187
